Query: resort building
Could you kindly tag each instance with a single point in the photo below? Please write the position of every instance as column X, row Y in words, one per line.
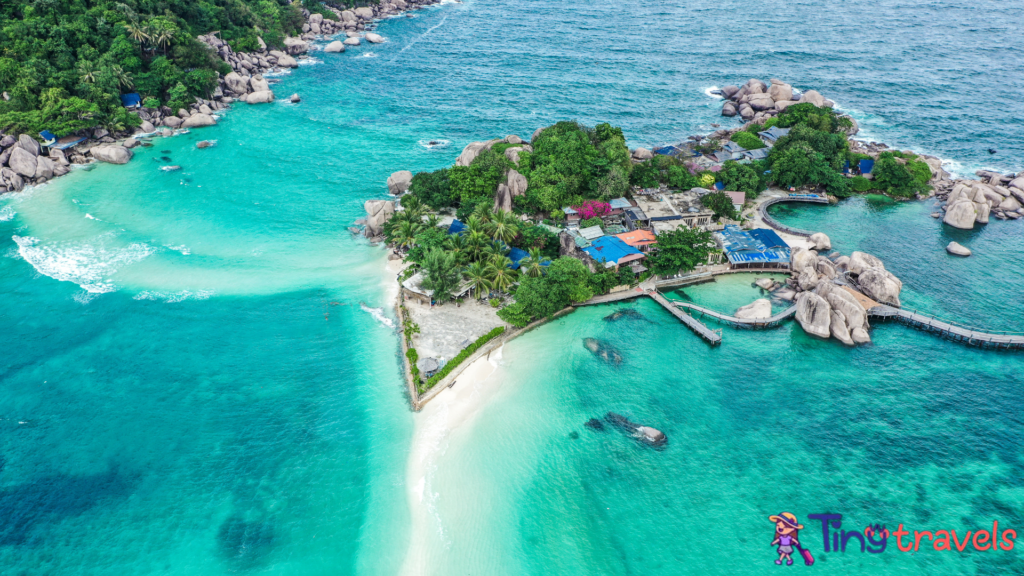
column 612, row 251
column 758, row 248
column 642, row 240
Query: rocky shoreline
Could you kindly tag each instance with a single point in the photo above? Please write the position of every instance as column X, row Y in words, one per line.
column 22, row 162
column 966, row 201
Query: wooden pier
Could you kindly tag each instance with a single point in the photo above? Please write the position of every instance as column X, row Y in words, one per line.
column 953, row 331
column 754, row 323
column 711, row 336
column 763, row 211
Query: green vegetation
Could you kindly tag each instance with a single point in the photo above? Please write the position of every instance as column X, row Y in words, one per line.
column 65, row 64
column 681, row 177
column 681, row 250
column 568, row 280
column 814, row 151
column 572, row 162
column 721, row 205
column 741, row 178
column 591, row 222
column 644, row 175
column 861, row 184
column 442, row 273
column 480, row 179
column 748, row 140
column 460, row 357
column 899, row 179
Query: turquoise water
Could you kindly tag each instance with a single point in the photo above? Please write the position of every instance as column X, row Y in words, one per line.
column 196, row 378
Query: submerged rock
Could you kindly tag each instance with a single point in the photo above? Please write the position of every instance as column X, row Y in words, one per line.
column 595, row 424
column 627, row 313
column 645, row 434
column 603, row 350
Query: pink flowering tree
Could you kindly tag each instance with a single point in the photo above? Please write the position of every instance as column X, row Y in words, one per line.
column 593, row 209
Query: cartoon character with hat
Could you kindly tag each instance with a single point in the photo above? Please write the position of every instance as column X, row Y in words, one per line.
column 786, row 529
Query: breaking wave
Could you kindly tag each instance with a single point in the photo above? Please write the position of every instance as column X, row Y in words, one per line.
column 89, row 266
column 378, row 315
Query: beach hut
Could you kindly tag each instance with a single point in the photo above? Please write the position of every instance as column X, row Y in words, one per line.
column 516, row 255
column 866, row 166
column 457, row 227
column 132, row 100
column 733, row 147
column 758, row 154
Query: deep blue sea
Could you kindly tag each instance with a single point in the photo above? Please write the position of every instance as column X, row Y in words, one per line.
column 200, row 373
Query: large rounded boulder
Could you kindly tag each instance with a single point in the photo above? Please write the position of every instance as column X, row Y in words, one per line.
column 398, row 182
column 112, row 154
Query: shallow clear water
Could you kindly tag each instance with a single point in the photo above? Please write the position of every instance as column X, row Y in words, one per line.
column 190, row 383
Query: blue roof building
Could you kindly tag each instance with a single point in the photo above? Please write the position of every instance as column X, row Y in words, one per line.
column 612, row 251
column 758, row 248
column 132, row 100
column 457, row 227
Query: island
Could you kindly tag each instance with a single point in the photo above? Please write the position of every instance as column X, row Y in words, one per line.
column 518, row 232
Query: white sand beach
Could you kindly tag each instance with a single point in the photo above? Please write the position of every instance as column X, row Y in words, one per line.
column 453, row 409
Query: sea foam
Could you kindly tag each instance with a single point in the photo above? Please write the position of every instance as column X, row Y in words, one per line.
column 378, row 315
column 87, row 265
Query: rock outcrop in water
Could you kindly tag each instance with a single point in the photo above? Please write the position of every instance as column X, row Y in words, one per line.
column 377, row 213
column 603, row 350
column 822, row 286
column 645, row 434
column 624, row 314
column 760, row 308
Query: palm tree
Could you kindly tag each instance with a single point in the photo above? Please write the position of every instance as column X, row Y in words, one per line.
column 533, row 265
column 405, row 234
column 479, row 278
column 87, row 72
column 502, row 276
column 138, row 33
column 433, row 220
column 503, row 226
column 483, row 212
column 476, row 245
column 122, row 78
column 458, row 245
column 496, row 250
column 475, row 224
column 162, row 36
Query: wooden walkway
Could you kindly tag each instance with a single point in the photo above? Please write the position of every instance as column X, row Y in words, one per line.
column 969, row 336
column 692, row 323
column 755, row 323
column 762, row 209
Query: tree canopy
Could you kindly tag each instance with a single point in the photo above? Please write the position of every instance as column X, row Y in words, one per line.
column 681, row 250
column 64, row 64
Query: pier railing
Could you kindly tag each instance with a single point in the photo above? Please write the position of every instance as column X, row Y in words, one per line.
column 952, row 330
column 763, row 211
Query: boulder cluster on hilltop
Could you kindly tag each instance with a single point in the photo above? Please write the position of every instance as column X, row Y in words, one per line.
column 758, row 101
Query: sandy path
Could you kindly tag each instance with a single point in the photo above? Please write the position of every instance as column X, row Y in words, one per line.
column 452, row 409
